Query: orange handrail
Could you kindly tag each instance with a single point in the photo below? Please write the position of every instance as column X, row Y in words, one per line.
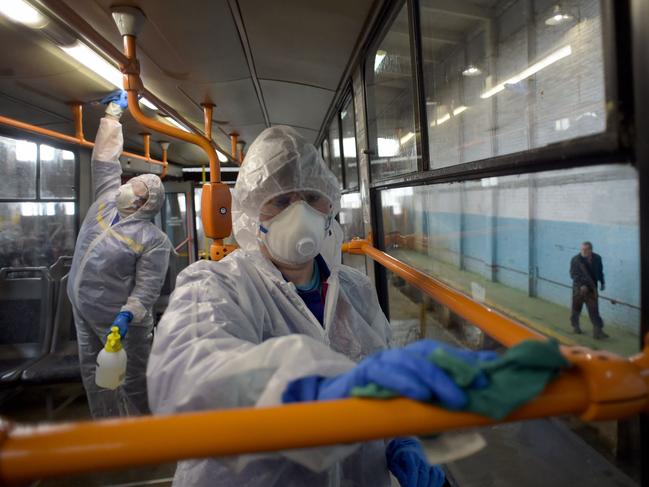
column 600, row 386
column 501, row 328
column 10, row 122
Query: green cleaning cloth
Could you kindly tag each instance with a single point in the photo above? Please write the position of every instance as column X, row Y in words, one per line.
column 514, row 378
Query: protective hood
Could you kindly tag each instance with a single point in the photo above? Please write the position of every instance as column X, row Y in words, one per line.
column 156, row 196
column 279, row 161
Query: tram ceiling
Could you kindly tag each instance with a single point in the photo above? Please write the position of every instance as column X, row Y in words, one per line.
column 190, row 53
column 297, row 51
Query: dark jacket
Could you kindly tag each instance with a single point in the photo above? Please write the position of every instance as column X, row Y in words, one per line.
column 585, row 274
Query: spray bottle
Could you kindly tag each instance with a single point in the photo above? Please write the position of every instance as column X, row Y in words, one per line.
column 111, row 362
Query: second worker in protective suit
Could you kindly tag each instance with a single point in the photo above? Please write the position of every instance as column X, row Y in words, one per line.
column 277, row 312
column 119, row 266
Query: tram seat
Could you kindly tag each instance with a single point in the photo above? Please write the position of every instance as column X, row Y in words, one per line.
column 26, row 305
column 61, row 364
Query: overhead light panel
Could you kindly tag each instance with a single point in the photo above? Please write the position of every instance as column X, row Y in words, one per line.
column 22, row 12
column 94, row 62
column 406, row 137
column 558, row 17
column 471, row 71
column 148, row 104
column 222, row 157
column 447, row 117
column 532, row 70
column 378, row 59
column 175, row 123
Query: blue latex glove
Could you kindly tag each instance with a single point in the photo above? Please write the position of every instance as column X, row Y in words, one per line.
column 122, row 321
column 118, row 97
column 406, row 371
column 407, row 462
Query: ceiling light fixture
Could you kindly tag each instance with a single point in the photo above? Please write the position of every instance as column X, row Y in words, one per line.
column 471, row 70
column 23, row 12
column 94, row 62
column 175, row 123
column 378, row 59
column 148, row 104
column 447, row 117
column 558, row 17
column 406, row 137
column 222, row 157
column 526, row 73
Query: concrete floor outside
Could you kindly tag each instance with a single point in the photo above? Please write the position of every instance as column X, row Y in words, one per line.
column 551, row 319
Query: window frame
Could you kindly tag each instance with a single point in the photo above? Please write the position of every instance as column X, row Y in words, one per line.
column 349, row 99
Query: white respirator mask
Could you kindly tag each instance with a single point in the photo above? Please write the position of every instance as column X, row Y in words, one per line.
column 296, row 234
column 127, row 200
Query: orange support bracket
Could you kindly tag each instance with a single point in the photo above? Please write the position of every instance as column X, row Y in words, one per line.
column 216, row 202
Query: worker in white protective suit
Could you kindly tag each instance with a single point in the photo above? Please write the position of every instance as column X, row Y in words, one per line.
column 237, row 332
column 119, row 266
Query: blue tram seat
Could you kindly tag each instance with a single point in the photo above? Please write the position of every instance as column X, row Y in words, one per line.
column 26, row 304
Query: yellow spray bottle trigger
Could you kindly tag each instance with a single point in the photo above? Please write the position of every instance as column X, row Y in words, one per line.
column 113, row 341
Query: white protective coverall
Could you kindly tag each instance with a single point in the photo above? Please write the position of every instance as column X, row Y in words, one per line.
column 236, row 332
column 117, row 268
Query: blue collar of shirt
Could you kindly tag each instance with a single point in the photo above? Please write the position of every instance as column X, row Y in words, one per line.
column 321, row 274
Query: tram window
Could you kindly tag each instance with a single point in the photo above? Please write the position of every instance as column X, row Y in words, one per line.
column 537, row 79
column 390, row 109
column 351, row 221
column 36, row 233
column 57, row 173
column 510, row 242
column 334, row 151
column 349, row 145
column 18, row 167
column 325, row 152
column 176, row 227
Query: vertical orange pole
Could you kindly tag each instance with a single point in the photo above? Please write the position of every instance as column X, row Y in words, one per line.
column 208, row 111
column 240, row 145
column 165, row 150
column 147, row 144
column 234, row 137
column 77, row 114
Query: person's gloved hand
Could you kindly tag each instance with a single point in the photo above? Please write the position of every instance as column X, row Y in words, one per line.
column 407, row 462
column 406, row 371
column 122, row 321
column 115, row 103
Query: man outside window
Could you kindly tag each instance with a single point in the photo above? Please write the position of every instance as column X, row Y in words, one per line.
column 586, row 270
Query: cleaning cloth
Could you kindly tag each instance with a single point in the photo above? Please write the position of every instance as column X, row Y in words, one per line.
column 496, row 387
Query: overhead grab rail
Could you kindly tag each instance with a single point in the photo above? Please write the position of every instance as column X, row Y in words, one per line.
column 600, row 386
column 78, row 138
column 216, row 201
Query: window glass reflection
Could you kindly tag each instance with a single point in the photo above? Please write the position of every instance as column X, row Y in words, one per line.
column 351, row 221
column 512, row 243
column 349, row 145
column 57, row 173
column 523, row 76
column 390, row 110
column 175, row 218
column 335, row 157
column 34, row 234
column 18, row 169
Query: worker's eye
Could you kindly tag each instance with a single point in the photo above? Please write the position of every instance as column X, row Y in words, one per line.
column 282, row 201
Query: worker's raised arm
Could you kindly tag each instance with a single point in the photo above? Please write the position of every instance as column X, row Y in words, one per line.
column 109, row 143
